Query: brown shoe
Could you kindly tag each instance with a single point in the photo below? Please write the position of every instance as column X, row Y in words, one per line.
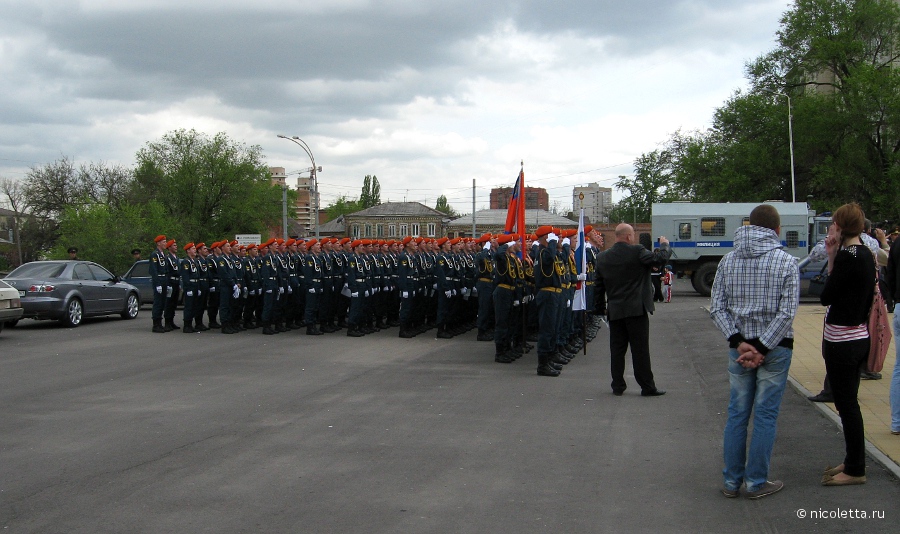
column 849, row 481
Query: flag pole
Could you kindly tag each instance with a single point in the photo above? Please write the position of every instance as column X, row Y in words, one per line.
column 583, row 264
column 522, row 245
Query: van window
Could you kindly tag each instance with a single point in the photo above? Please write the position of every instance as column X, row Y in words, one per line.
column 792, row 239
column 684, row 230
column 712, row 226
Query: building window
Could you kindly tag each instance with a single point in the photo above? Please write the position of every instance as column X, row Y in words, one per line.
column 368, row 230
column 379, row 230
column 404, row 231
column 415, row 229
column 392, row 230
column 356, row 231
column 431, row 229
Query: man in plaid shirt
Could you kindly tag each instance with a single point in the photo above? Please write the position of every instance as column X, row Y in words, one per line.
column 754, row 300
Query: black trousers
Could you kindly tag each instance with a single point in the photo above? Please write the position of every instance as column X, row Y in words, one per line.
column 172, row 302
column 842, row 363
column 633, row 331
column 159, row 303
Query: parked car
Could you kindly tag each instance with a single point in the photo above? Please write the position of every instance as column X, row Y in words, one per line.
column 139, row 276
column 10, row 304
column 71, row 290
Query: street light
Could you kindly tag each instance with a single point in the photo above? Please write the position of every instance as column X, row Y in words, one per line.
column 790, row 141
column 312, row 174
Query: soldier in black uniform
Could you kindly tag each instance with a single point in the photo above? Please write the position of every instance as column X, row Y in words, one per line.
column 356, row 283
column 212, row 304
column 228, row 288
column 504, row 298
column 268, row 274
column 312, row 273
column 407, row 281
column 251, row 285
column 201, row 302
column 190, row 284
column 160, row 280
column 548, row 270
column 173, row 294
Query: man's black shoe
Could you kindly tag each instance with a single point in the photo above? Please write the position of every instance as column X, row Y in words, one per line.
column 484, row 336
column 865, row 375
column 267, row 330
column 554, row 365
column 654, row 393
column 214, row 324
column 822, row 397
column 354, row 332
column 618, row 392
column 546, row 370
column 560, row 360
column 188, row 330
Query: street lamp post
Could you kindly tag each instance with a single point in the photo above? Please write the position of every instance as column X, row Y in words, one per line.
column 312, row 174
column 790, row 142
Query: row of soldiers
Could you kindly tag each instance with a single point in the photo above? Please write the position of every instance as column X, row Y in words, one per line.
column 368, row 285
column 323, row 285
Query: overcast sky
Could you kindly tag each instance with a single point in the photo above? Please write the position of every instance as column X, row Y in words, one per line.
column 426, row 95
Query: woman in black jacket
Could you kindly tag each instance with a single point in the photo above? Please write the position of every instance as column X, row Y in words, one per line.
column 848, row 294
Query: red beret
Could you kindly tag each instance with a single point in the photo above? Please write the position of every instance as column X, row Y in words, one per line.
column 588, row 229
column 503, row 239
column 169, row 243
column 159, row 238
column 311, row 242
column 189, row 245
column 201, row 244
column 345, row 240
column 543, row 230
column 356, row 243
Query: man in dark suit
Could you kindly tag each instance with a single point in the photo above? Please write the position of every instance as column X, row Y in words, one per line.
column 626, row 297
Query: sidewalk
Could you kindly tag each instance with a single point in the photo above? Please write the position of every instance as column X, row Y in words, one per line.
column 808, row 371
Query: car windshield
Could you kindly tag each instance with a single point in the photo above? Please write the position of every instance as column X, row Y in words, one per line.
column 38, row 270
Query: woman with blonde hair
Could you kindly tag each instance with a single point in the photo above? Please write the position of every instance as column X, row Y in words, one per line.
column 848, row 295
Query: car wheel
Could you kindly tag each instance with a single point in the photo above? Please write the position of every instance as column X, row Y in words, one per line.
column 132, row 305
column 74, row 314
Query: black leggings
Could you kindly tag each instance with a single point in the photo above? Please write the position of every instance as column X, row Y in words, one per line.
column 842, row 363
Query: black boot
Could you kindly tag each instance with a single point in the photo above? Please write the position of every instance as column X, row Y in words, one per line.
column 442, row 333
column 200, row 327
column 188, row 329
column 544, row 368
column 313, row 330
column 213, row 323
column 484, row 336
column 158, row 327
column 354, row 331
column 268, row 330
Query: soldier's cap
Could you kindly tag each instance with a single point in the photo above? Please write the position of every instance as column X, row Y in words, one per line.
column 441, row 241
column 73, row 250
column 455, row 241
column 169, row 243
column 557, row 231
column 503, row 239
column 135, row 251
column 543, row 230
column 588, row 229
column 356, row 243
column 345, row 240
column 311, row 242
column 405, row 241
column 532, row 237
column 567, row 233
column 159, row 238
column 234, row 243
column 251, row 246
column 189, row 245
column 200, row 245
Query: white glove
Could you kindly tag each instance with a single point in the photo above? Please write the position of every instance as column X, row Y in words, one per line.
column 588, row 245
column 386, row 288
column 568, row 304
column 434, row 286
column 236, row 292
column 515, row 303
column 465, row 291
column 290, row 290
column 268, row 292
column 199, row 293
column 159, row 289
column 321, row 290
column 190, row 293
column 345, row 285
column 366, row 293
column 280, row 290
column 245, row 292
column 474, row 291
column 454, row 292
column 212, row 289
column 448, row 293
column 566, row 241
column 405, row 294
column 552, row 237
column 354, row 294
column 169, row 291
column 582, row 276
column 487, row 246
column 311, row 290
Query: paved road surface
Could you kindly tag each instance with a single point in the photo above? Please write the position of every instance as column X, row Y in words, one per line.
column 109, row 428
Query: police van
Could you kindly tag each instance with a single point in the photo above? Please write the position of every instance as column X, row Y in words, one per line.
column 700, row 234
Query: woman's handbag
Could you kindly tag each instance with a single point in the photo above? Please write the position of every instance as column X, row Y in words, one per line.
column 879, row 333
column 817, row 283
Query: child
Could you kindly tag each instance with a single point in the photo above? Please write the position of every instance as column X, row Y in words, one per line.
column 667, row 280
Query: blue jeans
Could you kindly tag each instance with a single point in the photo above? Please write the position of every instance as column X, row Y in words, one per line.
column 758, row 390
column 895, row 381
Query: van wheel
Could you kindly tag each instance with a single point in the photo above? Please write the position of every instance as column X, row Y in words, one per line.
column 703, row 278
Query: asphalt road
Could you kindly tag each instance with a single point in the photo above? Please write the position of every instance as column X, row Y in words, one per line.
column 109, row 428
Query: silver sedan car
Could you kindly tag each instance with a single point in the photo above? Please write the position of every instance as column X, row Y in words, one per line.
column 69, row 291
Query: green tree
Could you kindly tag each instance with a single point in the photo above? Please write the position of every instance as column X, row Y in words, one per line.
column 342, row 206
column 208, row 186
column 443, row 206
column 371, row 192
column 652, row 182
